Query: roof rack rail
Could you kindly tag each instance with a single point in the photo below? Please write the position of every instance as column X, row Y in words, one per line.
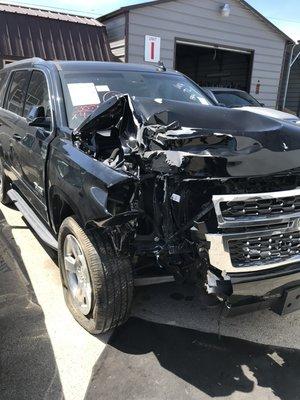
column 25, row 61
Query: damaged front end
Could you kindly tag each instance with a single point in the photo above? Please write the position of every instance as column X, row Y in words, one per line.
column 211, row 194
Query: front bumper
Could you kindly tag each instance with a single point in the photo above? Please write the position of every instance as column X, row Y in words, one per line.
column 245, row 292
column 255, row 254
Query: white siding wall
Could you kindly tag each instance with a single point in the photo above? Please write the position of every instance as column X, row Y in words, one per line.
column 200, row 20
column 116, row 35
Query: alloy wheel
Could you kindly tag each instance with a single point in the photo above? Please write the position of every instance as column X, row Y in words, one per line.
column 77, row 274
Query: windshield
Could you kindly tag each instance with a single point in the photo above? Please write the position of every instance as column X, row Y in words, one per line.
column 85, row 91
column 236, row 99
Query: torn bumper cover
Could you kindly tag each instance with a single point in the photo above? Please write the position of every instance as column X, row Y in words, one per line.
column 278, row 289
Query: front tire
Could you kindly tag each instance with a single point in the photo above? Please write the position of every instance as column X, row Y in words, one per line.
column 97, row 282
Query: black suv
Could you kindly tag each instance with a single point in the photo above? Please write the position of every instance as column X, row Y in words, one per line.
column 134, row 177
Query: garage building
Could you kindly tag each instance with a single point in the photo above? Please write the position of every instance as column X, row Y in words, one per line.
column 215, row 43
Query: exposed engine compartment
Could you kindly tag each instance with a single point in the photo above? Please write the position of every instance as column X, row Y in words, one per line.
column 181, row 163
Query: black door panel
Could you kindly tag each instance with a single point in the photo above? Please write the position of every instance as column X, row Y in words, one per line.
column 10, row 117
column 31, row 143
column 24, row 140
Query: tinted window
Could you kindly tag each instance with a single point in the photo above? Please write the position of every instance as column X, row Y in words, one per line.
column 85, row 91
column 38, row 95
column 236, row 99
column 16, row 93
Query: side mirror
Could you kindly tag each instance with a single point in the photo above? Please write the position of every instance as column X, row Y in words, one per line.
column 36, row 117
column 35, row 113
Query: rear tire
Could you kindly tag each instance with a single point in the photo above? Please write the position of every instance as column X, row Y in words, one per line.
column 4, row 186
column 99, row 267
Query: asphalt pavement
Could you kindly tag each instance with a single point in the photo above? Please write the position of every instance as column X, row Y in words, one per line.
column 69, row 350
column 145, row 361
column 25, row 347
column 173, row 346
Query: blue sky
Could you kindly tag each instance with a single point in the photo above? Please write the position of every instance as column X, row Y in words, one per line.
column 283, row 13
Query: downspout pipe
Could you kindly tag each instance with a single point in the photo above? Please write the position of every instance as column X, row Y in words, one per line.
column 291, row 63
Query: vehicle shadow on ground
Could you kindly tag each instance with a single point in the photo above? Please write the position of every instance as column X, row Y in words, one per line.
column 147, row 360
column 28, row 368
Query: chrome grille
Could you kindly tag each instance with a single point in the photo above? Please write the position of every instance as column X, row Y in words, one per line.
column 255, row 231
column 264, row 249
column 257, row 208
column 260, row 207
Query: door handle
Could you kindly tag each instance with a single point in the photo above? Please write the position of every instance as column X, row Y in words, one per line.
column 17, row 137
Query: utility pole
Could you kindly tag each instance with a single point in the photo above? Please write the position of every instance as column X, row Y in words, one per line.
column 291, row 63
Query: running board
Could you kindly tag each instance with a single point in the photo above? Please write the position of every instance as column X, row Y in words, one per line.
column 32, row 219
column 153, row 280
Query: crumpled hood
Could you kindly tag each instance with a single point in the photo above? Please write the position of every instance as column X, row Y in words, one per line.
column 174, row 137
column 206, row 118
column 221, row 142
column 270, row 112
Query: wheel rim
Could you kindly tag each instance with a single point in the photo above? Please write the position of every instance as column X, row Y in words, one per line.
column 77, row 274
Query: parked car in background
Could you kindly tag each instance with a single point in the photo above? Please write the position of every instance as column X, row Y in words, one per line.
column 234, row 98
column 135, row 177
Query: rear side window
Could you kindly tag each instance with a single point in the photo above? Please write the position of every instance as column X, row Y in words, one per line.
column 38, row 95
column 16, row 92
